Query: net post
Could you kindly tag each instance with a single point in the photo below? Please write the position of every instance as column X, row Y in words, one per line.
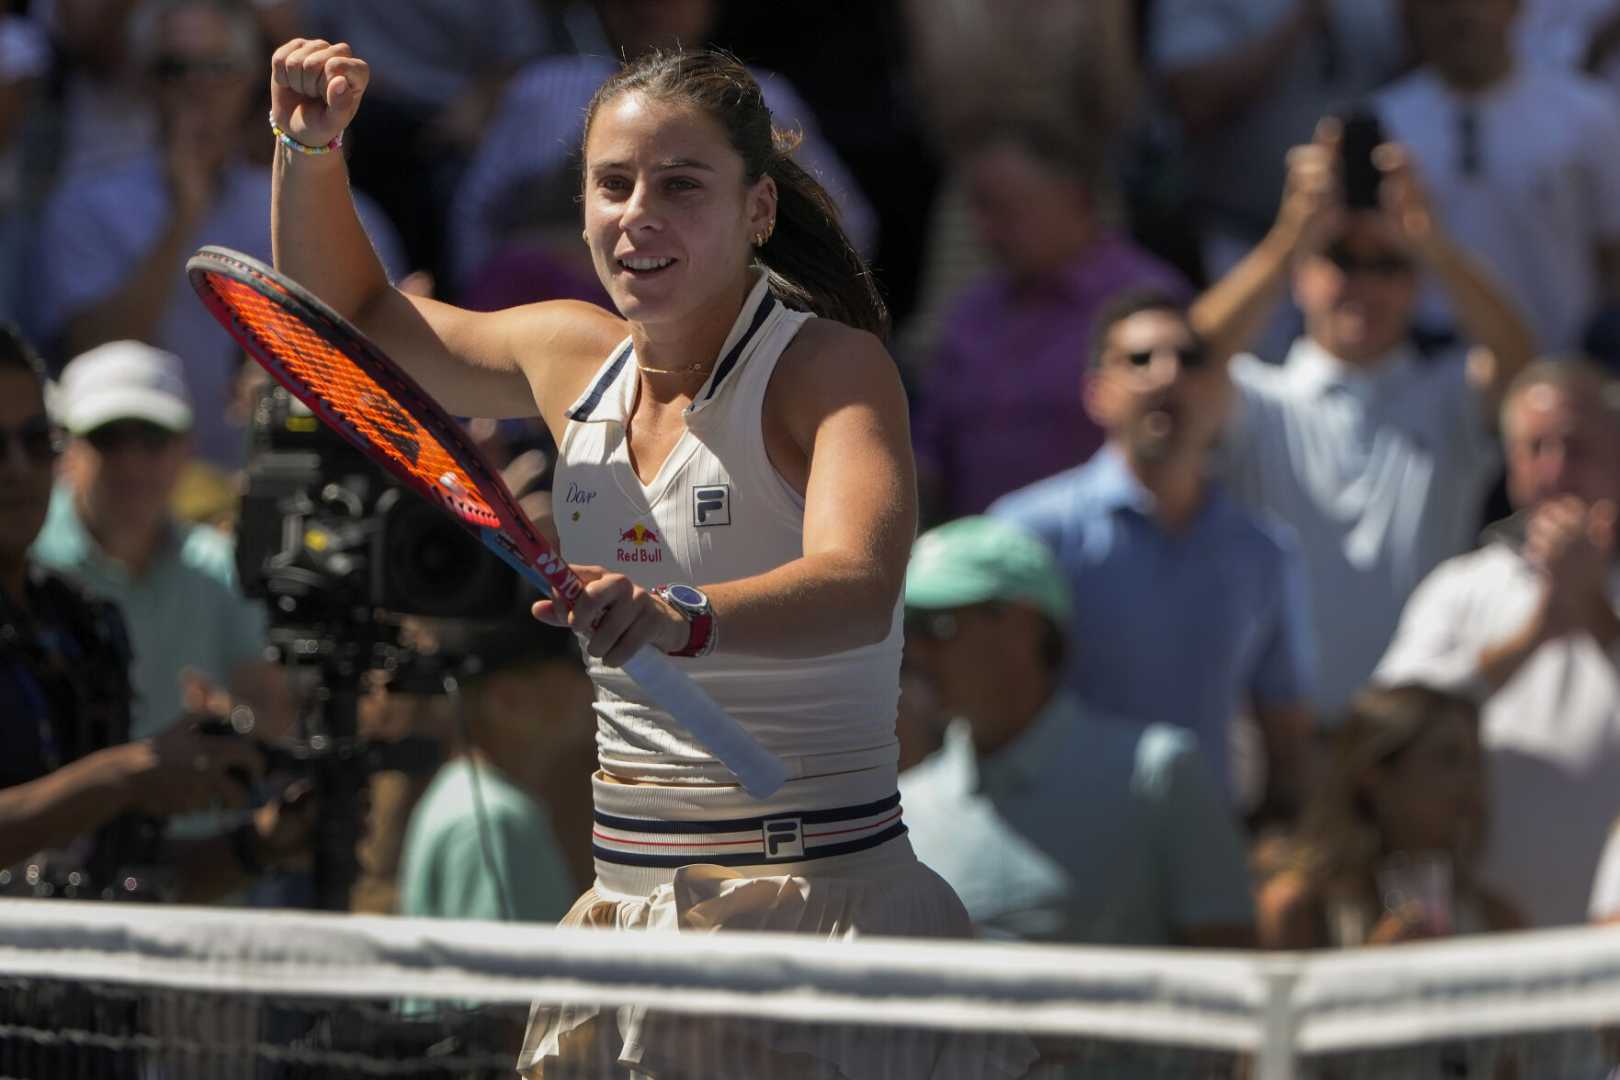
column 1280, row 974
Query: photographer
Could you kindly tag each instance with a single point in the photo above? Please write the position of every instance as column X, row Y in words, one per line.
column 1378, row 454
column 71, row 781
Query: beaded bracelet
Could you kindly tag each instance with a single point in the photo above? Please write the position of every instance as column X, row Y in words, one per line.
column 303, row 148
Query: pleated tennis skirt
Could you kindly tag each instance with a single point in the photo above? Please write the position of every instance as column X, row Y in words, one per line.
column 840, row 870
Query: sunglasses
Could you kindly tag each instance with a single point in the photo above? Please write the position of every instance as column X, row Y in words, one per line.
column 178, row 68
column 38, row 439
column 942, row 626
column 1388, row 265
column 122, row 434
column 1189, row 357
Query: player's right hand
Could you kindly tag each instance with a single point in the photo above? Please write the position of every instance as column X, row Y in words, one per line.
column 315, row 89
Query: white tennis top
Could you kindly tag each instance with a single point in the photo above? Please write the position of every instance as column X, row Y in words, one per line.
column 716, row 511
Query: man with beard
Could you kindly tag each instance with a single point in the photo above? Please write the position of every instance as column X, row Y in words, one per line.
column 1193, row 608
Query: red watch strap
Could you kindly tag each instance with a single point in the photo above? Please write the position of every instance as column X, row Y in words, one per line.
column 697, row 639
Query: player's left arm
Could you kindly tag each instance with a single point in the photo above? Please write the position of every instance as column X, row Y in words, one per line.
column 836, row 428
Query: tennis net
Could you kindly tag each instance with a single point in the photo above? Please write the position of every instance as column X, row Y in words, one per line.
column 92, row 990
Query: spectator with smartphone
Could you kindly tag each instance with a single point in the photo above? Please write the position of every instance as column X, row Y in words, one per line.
column 1524, row 163
column 1379, row 456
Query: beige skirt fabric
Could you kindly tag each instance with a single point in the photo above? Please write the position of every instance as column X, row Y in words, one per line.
column 883, row 891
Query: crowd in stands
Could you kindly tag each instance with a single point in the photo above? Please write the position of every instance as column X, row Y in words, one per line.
column 1271, row 474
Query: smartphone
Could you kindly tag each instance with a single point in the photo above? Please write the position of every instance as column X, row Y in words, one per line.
column 1360, row 135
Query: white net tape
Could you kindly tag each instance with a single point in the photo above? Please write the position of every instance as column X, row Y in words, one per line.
column 1528, row 1005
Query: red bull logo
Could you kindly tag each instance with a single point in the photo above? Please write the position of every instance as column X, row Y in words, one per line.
column 645, row 547
column 638, row 535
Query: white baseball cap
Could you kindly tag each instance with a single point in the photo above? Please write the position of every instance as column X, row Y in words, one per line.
column 122, row 380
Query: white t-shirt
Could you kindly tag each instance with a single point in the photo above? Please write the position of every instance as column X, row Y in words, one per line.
column 1544, row 194
column 1551, row 733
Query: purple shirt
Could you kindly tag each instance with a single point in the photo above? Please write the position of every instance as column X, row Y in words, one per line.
column 1000, row 406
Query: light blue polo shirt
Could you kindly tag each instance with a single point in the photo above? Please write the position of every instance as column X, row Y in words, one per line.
column 443, row 872
column 184, row 611
column 1082, row 830
column 1184, row 628
column 1381, row 472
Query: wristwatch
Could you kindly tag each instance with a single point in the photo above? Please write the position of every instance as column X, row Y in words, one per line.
column 694, row 605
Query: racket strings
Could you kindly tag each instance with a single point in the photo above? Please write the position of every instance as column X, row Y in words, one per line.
column 353, row 397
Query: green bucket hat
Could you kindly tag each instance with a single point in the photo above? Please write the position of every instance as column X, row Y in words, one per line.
column 977, row 560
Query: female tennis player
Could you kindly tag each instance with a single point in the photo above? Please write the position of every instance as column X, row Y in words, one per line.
column 735, row 486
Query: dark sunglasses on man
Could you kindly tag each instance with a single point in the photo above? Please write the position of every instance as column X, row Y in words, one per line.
column 38, row 439
column 1189, row 357
column 1388, row 264
column 125, row 434
column 944, row 625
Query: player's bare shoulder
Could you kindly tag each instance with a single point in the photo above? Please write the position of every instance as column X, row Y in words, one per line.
column 829, row 364
column 559, row 344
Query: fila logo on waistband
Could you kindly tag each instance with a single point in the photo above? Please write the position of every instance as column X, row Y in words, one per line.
column 711, row 505
column 784, row 838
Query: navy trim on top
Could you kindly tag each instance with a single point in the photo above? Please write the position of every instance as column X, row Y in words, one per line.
column 730, row 361
column 808, row 817
column 588, row 404
column 754, row 858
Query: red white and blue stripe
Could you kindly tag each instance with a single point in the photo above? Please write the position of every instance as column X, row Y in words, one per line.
column 789, row 836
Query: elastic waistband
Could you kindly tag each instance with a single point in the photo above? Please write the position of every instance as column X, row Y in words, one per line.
column 643, row 832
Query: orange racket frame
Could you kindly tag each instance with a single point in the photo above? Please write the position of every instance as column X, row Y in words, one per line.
column 358, row 391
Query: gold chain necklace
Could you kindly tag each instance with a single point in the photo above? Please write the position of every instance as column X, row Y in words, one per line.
column 689, row 369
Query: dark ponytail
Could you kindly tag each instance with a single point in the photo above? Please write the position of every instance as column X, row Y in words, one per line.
column 812, row 265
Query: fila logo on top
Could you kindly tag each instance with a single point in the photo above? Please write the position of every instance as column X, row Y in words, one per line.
column 711, row 505
column 784, row 838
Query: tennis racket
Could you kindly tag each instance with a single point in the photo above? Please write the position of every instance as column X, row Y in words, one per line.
column 365, row 397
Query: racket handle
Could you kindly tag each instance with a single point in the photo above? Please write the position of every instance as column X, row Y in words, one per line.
column 760, row 771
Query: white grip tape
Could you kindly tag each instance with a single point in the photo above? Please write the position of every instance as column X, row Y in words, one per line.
column 760, row 771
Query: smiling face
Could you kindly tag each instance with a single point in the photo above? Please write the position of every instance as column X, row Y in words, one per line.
column 669, row 212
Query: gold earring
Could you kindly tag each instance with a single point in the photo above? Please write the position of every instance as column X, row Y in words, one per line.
column 763, row 237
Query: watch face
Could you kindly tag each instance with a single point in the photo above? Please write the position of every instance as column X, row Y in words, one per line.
column 686, row 596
